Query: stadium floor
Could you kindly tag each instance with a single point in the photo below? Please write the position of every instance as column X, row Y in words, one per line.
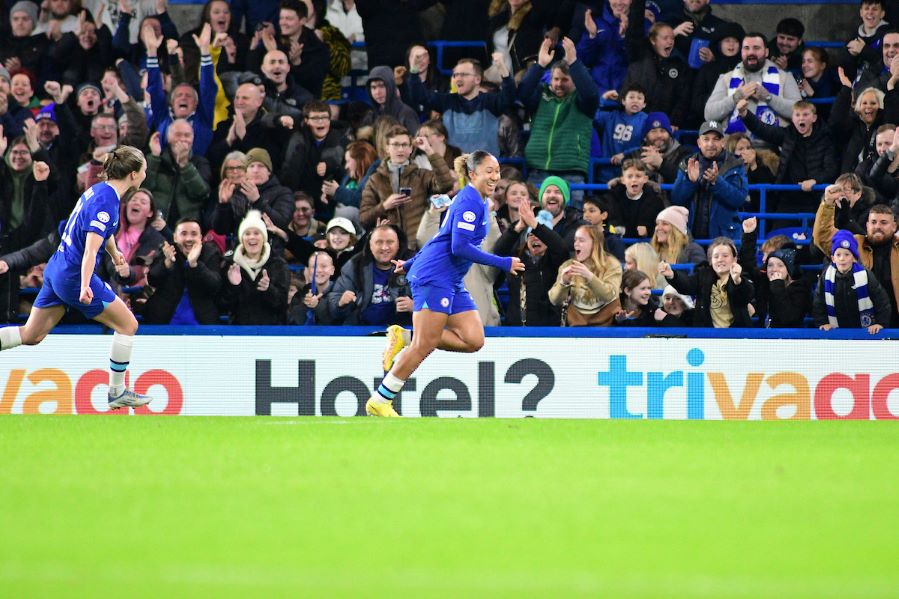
column 203, row 506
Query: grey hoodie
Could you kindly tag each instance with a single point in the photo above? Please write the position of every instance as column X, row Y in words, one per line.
column 394, row 106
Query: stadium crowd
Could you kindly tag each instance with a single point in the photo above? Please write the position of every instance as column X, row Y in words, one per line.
column 279, row 190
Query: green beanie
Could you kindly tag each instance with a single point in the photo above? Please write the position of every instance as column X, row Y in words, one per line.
column 559, row 182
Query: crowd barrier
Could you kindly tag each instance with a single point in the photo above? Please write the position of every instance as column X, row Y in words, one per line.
column 546, row 373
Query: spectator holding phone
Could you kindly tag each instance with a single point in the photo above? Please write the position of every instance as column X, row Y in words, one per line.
column 398, row 190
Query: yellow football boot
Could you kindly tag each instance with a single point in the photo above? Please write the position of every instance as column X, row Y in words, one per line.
column 397, row 339
column 373, row 407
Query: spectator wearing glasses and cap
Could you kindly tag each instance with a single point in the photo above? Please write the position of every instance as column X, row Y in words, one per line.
column 712, row 185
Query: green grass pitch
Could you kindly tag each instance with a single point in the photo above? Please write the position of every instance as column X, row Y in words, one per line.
column 330, row 507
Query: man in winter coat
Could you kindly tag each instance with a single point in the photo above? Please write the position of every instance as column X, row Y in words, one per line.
column 712, row 185
column 177, row 177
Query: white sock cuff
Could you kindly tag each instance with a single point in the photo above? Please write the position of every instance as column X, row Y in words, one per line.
column 10, row 337
column 121, row 348
column 393, row 383
column 126, row 340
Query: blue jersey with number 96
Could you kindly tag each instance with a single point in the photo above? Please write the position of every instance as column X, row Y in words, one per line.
column 97, row 211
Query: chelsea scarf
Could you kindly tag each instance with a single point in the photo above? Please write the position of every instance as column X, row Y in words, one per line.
column 860, row 284
column 771, row 82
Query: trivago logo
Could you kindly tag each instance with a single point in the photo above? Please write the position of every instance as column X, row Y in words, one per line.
column 53, row 391
column 794, row 395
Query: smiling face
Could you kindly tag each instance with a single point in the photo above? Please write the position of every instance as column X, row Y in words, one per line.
column 47, row 131
column 890, row 47
column 583, row 245
column 338, row 239
column 722, row 259
column 787, row 43
column 20, row 88
column 561, row 84
column 384, row 245
column 302, row 213
column 248, row 100
column 880, row 228
column 485, row 176
column 19, row 157
column 753, row 53
column 804, row 120
column 252, row 242
column 319, row 124
column 663, row 231
column 663, row 42
column 187, row 235
column 710, row 144
column 659, row 137
column 516, row 193
column 104, row 131
column 871, row 14
column 553, row 200
column 868, row 107
column 290, row 22
column 641, row 293
column 811, row 66
column 536, row 247
column 139, row 209
column 322, row 265
column 219, row 16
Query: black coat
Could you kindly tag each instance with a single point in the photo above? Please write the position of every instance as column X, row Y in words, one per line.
column 821, row 161
column 874, row 172
column 846, row 301
column 246, row 304
column 314, row 61
column 699, row 284
column 203, row 283
column 275, row 200
column 536, row 280
column 390, row 26
column 301, row 158
column 648, row 207
column 854, row 137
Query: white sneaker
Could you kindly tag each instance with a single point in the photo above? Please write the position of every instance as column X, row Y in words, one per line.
column 129, row 399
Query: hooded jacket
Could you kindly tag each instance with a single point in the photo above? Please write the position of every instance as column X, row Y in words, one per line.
column 393, row 106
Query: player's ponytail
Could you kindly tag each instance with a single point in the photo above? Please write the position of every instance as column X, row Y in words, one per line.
column 121, row 162
column 461, row 168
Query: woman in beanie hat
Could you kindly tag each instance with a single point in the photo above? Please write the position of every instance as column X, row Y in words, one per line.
column 671, row 239
column 849, row 295
column 256, row 291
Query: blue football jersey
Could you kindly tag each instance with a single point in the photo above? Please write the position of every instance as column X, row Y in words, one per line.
column 97, row 211
column 446, row 258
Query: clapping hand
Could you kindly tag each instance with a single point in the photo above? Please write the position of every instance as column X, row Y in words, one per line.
column 264, row 281
column 711, row 174
column 234, row 276
column 168, row 251
column 693, row 172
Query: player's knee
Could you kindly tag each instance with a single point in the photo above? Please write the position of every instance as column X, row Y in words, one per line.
column 32, row 338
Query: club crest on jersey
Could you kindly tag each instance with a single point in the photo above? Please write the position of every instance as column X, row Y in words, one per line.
column 469, row 216
column 444, row 301
column 103, row 217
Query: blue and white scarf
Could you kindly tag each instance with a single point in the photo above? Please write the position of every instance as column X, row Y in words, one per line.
column 865, row 305
column 771, row 82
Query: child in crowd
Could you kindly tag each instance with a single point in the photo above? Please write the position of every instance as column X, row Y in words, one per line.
column 596, row 212
column 306, row 305
column 722, row 292
column 618, row 131
column 676, row 310
column 341, row 237
column 849, row 295
column 636, row 204
column 638, row 307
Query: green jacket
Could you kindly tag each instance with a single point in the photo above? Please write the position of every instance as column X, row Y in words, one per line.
column 562, row 128
column 178, row 192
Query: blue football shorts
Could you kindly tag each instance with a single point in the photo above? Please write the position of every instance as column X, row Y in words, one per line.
column 447, row 299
